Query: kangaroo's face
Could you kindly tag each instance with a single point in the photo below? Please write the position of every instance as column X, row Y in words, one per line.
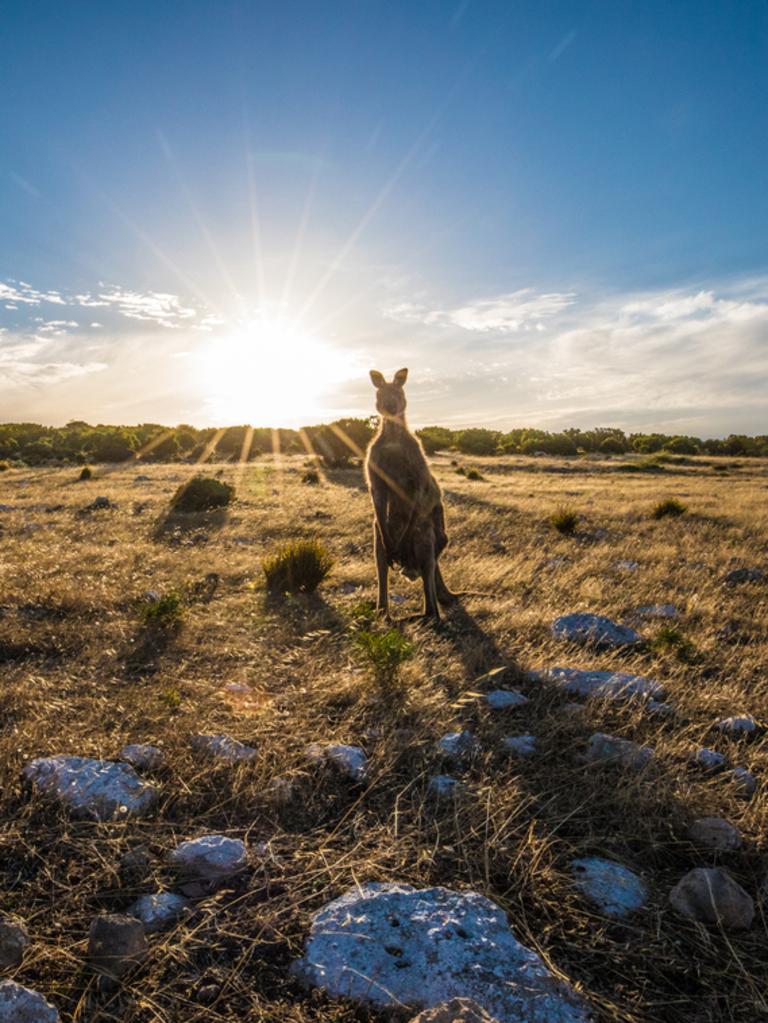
column 390, row 398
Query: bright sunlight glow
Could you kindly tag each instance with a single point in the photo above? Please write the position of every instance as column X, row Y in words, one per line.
column 266, row 372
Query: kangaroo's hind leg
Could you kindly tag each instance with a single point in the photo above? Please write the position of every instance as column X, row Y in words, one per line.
column 428, row 577
column 382, row 570
column 444, row 595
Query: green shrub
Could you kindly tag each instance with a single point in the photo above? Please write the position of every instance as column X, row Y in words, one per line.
column 385, row 652
column 297, row 567
column 363, row 611
column 85, row 473
column 460, row 470
column 473, row 474
column 565, row 520
column 4, row 466
column 670, row 507
column 202, row 493
column 163, row 613
column 670, row 639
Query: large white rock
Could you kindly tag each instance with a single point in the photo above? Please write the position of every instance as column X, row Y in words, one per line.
column 594, row 630
column 101, row 789
column 615, row 889
column 347, row 760
column 22, row 1005
column 159, row 911
column 223, row 747
column 394, row 945
column 611, row 684
column 209, row 858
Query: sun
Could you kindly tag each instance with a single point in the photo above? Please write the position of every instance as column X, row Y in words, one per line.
column 267, row 372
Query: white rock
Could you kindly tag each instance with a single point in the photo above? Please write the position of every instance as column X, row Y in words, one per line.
column 520, row 745
column 743, row 724
column 348, row 760
column 159, row 911
column 609, row 749
column 458, row 745
column 210, row 858
column 22, row 1005
column 443, row 786
column 610, row 684
column 709, row 759
column 615, row 889
column 657, row 611
column 744, row 781
column 628, row 566
column 504, row 699
column 101, row 789
column 142, row 755
column 714, row 833
column 594, row 630
column 392, row 945
column 223, row 747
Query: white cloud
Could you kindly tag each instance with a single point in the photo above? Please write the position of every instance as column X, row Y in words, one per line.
column 514, row 311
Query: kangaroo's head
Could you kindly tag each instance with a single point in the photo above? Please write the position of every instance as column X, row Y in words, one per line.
column 390, row 398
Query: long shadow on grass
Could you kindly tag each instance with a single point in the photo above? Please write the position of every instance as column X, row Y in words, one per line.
column 188, row 529
column 476, row 647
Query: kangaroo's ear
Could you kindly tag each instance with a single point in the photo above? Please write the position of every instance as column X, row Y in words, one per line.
column 377, row 379
column 400, row 377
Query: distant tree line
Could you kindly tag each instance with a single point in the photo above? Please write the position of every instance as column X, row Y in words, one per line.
column 335, row 443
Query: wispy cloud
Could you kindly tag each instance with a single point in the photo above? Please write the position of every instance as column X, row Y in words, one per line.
column 524, row 309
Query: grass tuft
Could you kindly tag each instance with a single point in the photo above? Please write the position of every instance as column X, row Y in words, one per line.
column 298, row 566
column 202, row 493
column 565, row 520
column 385, row 652
column 86, row 473
column 669, row 508
column 163, row 613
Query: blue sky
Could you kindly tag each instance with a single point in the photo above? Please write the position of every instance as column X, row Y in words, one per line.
column 553, row 213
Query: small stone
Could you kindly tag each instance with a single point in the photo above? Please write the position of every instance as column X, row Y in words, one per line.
column 743, row 724
column 151, row 597
column 594, row 630
column 209, row 858
column 444, row 786
column 743, row 781
column 142, row 756
column 458, row 745
column 350, row 761
column 100, row 504
column 101, row 789
column 223, row 747
column 519, row 745
column 744, row 575
column 711, row 896
column 116, row 943
column 615, row 889
column 627, row 565
column 23, row 1005
column 504, row 699
column 282, row 789
column 714, row 833
column 657, row 611
column 13, row 940
column 709, row 759
column 456, row 1010
column 660, row 709
column 610, row 684
column 607, row 749
column 159, row 911
column 135, row 865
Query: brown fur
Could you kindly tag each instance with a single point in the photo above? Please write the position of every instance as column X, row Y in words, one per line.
column 409, row 520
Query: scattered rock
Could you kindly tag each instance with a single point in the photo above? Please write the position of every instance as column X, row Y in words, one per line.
column 709, row 759
column 458, row 745
column 13, row 940
column 116, row 943
column 610, row 684
column 391, row 944
column 457, row 1010
column 135, row 865
column 151, row 597
column 223, row 747
column 657, row 611
column 159, row 911
column 504, row 699
column 607, row 749
column 101, row 789
column 660, row 709
column 711, row 896
column 282, row 789
column 615, row 889
column 744, row 575
column 714, row 833
column 350, row 761
column 743, row 781
column 142, row 756
column 743, row 724
column 627, row 565
column 98, row 504
column 22, row 1005
column 444, row 786
column 519, row 745
column 594, row 630
column 209, row 858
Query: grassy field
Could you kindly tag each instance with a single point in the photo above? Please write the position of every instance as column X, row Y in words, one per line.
column 84, row 673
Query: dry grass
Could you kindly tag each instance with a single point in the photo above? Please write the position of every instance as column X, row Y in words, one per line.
column 82, row 673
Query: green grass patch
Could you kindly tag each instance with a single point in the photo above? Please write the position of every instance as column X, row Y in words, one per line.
column 163, row 613
column 297, row 567
column 670, row 640
column 385, row 653
column 202, row 493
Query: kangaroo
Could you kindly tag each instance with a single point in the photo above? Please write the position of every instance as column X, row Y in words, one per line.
column 409, row 520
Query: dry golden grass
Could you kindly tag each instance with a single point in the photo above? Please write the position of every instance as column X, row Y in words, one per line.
column 83, row 673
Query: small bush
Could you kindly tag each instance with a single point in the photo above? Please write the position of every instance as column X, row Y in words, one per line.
column 460, row 470
column 363, row 612
column 163, row 613
column 671, row 507
column 85, row 474
column 4, row 466
column 385, row 652
column 565, row 520
column 473, row 474
column 670, row 639
column 202, row 493
column 311, row 476
column 297, row 567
